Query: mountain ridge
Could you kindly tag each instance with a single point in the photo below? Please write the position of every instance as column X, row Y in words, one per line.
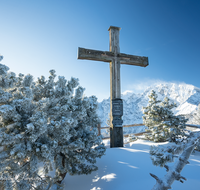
column 186, row 96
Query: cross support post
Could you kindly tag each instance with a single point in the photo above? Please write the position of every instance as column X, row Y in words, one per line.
column 115, row 58
column 116, row 104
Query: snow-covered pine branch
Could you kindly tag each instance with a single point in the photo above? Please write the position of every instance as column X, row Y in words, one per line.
column 160, row 155
column 44, row 122
column 174, row 172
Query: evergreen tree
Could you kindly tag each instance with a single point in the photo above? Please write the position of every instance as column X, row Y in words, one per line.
column 161, row 122
column 151, row 118
column 44, row 121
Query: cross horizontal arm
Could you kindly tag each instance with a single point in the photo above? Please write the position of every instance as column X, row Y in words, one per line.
column 107, row 56
column 95, row 55
column 133, row 60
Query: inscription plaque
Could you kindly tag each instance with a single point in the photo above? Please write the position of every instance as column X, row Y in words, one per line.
column 117, row 122
column 117, row 112
column 117, row 107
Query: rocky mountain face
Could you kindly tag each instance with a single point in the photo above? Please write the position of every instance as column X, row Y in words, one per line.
column 187, row 98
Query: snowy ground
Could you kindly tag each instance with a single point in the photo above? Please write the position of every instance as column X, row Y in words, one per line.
column 129, row 167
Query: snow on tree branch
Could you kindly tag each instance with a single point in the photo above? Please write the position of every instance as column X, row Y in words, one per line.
column 43, row 121
column 173, row 173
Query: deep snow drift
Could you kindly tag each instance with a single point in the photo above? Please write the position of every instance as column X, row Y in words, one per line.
column 129, row 167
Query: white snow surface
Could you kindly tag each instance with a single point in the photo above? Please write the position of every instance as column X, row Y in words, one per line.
column 187, row 98
column 129, row 167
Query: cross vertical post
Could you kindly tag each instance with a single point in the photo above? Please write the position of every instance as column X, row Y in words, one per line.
column 116, row 129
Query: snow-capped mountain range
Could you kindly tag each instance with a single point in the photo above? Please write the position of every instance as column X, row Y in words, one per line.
column 187, row 98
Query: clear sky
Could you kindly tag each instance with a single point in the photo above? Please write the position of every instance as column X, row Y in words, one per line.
column 39, row 35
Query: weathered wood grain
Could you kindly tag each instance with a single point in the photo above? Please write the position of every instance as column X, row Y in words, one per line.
column 133, row 60
column 116, row 131
column 115, row 58
column 89, row 54
column 107, row 56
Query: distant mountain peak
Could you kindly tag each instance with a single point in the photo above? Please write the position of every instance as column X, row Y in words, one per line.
column 186, row 96
column 127, row 92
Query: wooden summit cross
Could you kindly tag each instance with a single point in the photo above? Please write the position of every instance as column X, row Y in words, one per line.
column 115, row 58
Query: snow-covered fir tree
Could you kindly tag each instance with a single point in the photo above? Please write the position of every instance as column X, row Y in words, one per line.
column 45, row 122
column 161, row 122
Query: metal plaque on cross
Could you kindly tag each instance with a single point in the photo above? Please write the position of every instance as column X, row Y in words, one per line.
column 117, row 107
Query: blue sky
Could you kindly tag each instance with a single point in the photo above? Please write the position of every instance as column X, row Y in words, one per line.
column 39, row 35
